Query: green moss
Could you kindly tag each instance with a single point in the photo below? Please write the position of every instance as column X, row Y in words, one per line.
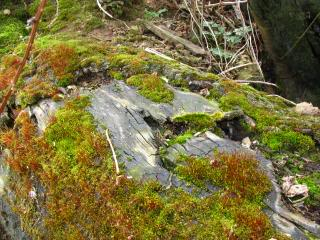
column 80, row 15
column 11, row 32
column 34, row 91
column 277, row 124
column 198, row 121
column 116, row 75
column 180, row 139
column 152, row 87
column 288, row 141
column 313, row 183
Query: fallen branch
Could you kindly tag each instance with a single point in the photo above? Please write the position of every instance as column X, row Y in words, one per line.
column 256, row 82
column 166, row 34
column 26, row 55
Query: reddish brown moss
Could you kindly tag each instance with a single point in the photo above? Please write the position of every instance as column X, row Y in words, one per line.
column 61, row 59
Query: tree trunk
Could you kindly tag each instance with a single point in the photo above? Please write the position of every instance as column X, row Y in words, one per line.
column 291, row 33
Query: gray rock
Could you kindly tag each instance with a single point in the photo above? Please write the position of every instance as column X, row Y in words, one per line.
column 132, row 120
column 43, row 112
column 10, row 226
column 4, row 119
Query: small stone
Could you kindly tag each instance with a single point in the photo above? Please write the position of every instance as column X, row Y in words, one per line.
column 6, row 12
column 32, row 194
column 204, row 92
column 305, row 108
column 292, row 189
column 179, row 46
column 246, row 142
column 250, row 121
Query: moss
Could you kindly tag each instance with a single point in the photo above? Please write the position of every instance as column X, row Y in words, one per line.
column 11, row 32
column 277, row 124
column 198, row 121
column 116, row 75
column 313, row 183
column 64, row 56
column 180, row 139
column 152, row 87
column 34, row 91
column 81, row 15
column 288, row 141
column 237, row 172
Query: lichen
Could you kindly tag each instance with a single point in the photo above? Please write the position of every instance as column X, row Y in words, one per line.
column 152, row 87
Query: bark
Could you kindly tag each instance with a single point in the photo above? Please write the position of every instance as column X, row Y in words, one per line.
column 291, row 33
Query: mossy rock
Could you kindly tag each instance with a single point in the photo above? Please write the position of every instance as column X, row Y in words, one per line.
column 152, row 87
column 198, row 121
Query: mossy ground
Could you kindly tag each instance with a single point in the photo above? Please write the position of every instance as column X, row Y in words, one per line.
column 72, row 161
column 79, row 15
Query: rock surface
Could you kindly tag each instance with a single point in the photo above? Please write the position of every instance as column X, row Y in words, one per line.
column 10, row 228
column 132, row 121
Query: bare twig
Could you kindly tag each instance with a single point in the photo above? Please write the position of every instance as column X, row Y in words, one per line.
column 103, row 10
column 284, row 99
column 114, row 155
column 26, row 55
column 225, row 3
column 256, row 82
column 236, row 67
column 56, row 15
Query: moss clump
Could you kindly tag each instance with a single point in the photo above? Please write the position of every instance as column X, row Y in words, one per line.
column 8, row 68
column 63, row 56
column 116, row 75
column 277, row 124
column 288, row 141
column 34, row 91
column 313, row 183
column 180, row 139
column 152, row 87
column 237, row 172
column 198, row 121
column 11, row 31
